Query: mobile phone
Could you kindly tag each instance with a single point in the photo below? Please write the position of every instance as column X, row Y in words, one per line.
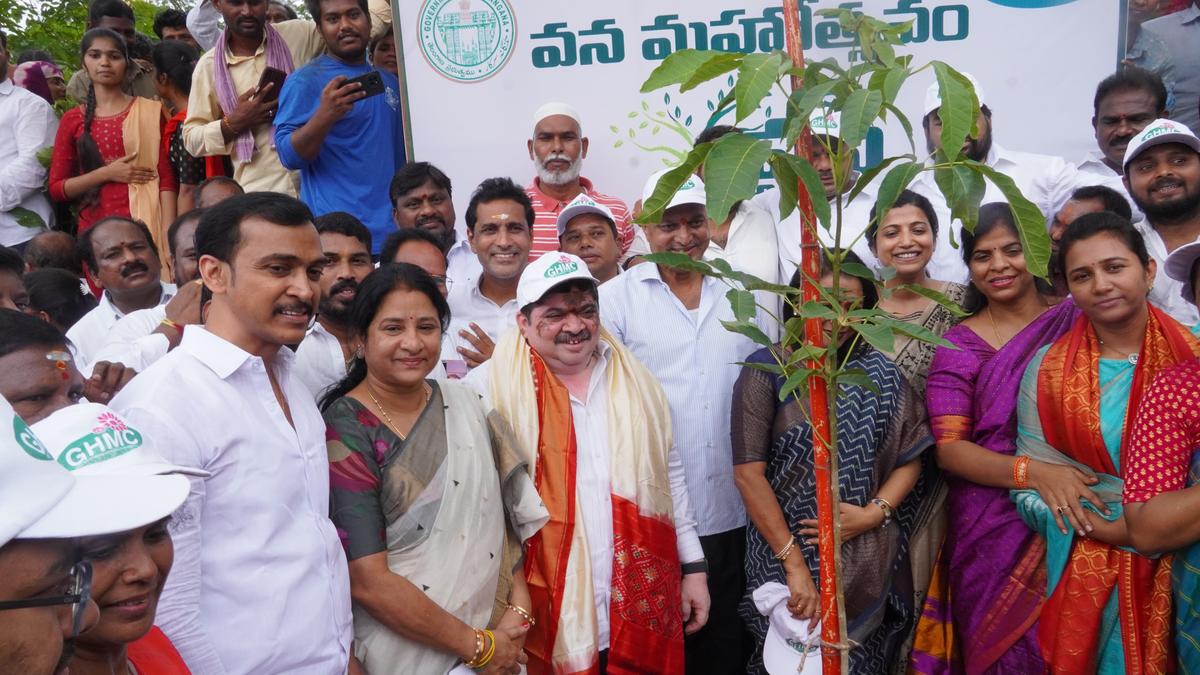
column 372, row 83
column 273, row 76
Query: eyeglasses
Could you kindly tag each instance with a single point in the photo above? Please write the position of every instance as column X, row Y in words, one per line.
column 79, row 591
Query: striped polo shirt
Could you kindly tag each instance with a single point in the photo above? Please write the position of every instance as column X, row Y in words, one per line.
column 547, row 208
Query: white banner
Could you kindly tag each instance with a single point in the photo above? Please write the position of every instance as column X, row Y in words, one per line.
column 475, row 71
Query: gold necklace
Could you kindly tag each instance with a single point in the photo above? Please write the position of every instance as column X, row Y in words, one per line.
column 995, row 329
column 388, row 418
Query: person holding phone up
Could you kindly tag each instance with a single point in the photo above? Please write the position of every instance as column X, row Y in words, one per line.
column 339, row 122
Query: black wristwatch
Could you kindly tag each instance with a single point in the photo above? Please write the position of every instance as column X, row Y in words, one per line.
column 695, row 567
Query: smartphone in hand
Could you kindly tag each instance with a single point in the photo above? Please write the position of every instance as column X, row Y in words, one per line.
column 372, row 83
column 273, row 76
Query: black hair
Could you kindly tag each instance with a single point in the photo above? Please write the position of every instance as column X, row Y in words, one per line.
column 397, row 239
column 90, row 158
column 870, row 291
column 371, row 294
column 39, row 255
column 57, row 293
column 181, row 220
column 714, row 132
column 84, row 244
column 1104, row 222
column 340, row 222
column 494, row 190
column 141, row 47
column 387, row 34
column 415, row 174
column 906, row 198
column 217, row 180
column 1131, row 78
column 30, row 54
column 219, row 231
column 99, row 9
column 991, row 216
column 291, row 13
column 169, row 18
column 176, row 60
column 11, row 261
column 314, row 8
column 1111, row 199
column 19, row 331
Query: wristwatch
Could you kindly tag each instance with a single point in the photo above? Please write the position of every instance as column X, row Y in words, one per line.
column 695, row 567
column 887, row 510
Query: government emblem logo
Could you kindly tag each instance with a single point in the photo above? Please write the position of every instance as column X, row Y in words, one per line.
column 467, row 40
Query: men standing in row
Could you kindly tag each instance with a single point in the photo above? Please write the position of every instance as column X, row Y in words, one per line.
column 558, row 148
column 422, row 198
column 260, row 582
column 27, row 125
column 345, row 139
column 498, row 227
column 321, row 358
column 124, row 261
column 1162, row 174
column 231, row 108
column 598, row 426
column 671, row 320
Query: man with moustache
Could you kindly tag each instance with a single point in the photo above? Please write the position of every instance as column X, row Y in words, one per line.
column 498, row 226
column 1162, row 174
column 671, row 320
column 1045, row 180
column 146, row 335
column 1085, row 200
column 613, row 483
column 558, row 148
column 421, row 197
column 345, row 145
column 121, row 255
column 321, row 358
column 586, row 228
column 260, row 582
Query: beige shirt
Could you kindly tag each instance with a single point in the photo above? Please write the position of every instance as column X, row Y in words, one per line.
column 202, row 128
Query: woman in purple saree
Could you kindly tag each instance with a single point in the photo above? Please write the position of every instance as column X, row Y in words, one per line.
column 989, row 583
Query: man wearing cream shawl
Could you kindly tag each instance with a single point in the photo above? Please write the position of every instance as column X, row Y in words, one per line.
column 617, row 575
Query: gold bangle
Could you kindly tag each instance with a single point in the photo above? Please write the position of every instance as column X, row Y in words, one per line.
column 523, row 613
column 172, row 325
column 491, row 651
column 787, row 550
column 479, row 650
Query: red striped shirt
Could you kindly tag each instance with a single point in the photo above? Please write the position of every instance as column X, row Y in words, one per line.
column 547, row 208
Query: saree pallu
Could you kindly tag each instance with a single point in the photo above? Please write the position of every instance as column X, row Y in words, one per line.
column 1108, row 608
column 877, row 432
column 989, row 583
column 142, row 135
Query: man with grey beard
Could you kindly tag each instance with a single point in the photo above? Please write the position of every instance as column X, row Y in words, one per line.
column 557, row 149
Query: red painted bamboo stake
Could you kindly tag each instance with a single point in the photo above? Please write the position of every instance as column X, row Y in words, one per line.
column 810, row 252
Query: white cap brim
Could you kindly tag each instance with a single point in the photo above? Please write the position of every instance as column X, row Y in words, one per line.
column 98, row 505
column 1179, row 265
column 568, row 214
column 1132, row 152
column 780, row 658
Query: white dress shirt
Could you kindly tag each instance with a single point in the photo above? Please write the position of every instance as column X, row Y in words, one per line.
column 593, row 485
column 320, row 362
column 751, row 247
column 462, row 265
column 695, row 360
column 1166, row 291
column 91, row 332
column 467, row 306
column 27, row 125
column 1045, row 180
column 260, row 582
column 1096, row 172
column 133, row 342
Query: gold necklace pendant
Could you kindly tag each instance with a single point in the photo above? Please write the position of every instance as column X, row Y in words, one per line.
column 388, row 418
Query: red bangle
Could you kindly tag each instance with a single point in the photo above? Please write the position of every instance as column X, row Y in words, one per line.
column 1021, row 473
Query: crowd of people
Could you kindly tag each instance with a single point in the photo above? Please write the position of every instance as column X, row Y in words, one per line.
column 273, row 413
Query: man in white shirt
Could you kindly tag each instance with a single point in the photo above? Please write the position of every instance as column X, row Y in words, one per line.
column 422, row 199
column 121, row 256
column 27, row 125
column 1162, row 174
column 321, row 358
column 628, row 470
column 499, row 227
column 260, row 583
column 1045, row 180
column 671, row 320
column 146, row 335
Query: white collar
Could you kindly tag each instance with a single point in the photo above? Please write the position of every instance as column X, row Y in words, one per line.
column 222, row 356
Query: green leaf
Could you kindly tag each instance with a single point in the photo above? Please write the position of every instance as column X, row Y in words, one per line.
column 773, row 368
column 859, row 270
column 44, row 155
column 671, row 181
column 914, row 331
column 721, row 63
column 816, row 310
column 801, row 168
column 757, row 73
column 680, row 261
column 801, row 105
column 879, row 337
column 678, row 68
column 937, row 296
column 867, row 177
column 903, row 119
column 856, row 377
column 743, row 304
column 1031, row 222
column 27, row 218
column 858, row 112
column 959, row 108
column 731, row 171
column 787, row 181
column 750, row 330
column 797, row 379
column 895, row 182
column 963, row 189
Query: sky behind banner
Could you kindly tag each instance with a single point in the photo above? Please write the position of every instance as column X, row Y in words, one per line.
column 475, row 71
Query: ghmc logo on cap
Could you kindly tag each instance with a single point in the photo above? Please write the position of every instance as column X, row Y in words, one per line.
column 563, row 267
column 109, row 439
column 29, row 442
